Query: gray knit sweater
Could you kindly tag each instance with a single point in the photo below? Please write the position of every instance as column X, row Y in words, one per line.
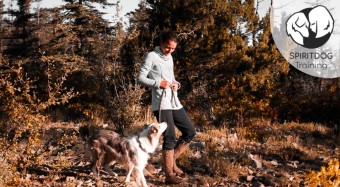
column 155, row 68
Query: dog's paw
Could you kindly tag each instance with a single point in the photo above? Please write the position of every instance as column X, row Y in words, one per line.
column 110, row 172
column 113, row 174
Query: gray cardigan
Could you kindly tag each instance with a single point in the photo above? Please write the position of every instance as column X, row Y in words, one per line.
column 155, row 68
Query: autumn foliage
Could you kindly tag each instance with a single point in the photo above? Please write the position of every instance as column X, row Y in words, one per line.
column 69, row 64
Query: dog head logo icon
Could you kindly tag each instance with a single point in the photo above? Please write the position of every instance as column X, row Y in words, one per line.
column 310, row 27
column 307, row 35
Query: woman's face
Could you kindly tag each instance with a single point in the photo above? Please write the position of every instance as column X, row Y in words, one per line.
column 168, row 47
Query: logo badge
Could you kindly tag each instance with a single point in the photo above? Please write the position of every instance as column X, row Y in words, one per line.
column 307, row 35
column 310, row 27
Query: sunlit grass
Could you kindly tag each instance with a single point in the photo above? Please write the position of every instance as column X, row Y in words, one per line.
column 290, row 153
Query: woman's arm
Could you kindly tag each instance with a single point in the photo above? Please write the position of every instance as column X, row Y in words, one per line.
column 145, row 68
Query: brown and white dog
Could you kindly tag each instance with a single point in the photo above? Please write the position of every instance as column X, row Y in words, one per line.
column 108, row 147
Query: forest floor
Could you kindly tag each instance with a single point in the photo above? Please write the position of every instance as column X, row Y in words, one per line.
column 257, row 154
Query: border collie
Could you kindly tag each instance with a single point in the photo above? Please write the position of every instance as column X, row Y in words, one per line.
column 108, row 147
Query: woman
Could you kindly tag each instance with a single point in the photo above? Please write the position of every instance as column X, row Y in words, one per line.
column 157, row 72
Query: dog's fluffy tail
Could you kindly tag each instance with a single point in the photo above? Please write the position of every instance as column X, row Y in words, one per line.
column 84, row 132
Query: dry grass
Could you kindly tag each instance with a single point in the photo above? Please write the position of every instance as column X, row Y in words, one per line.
column 287, row 152
column 217, row 157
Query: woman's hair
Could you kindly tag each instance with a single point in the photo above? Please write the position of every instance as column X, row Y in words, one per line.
column 167, row 36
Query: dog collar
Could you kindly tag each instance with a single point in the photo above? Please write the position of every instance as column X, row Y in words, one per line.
column 140, row 144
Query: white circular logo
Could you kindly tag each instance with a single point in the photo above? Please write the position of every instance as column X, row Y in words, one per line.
column 308, row 36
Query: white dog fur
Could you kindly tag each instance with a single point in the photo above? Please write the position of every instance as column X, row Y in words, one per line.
column 108, row 147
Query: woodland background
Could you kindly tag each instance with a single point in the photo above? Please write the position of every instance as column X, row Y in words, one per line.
column 68, row 64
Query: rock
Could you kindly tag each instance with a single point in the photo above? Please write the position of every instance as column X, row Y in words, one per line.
column 274, row 163
column 198, row 146
column 232, row 138
column 270, row 172
column 295, row 145
column 257, row 184
column 80, row 183
column 289, row 176
column 28, row 177
column 250, row 178
column 89, row 183
column 293, row 164
column 250, row 171
column 81, row 163
column 256, row 163
column 105, row 126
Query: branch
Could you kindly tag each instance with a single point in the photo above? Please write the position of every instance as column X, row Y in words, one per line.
column 185, row 34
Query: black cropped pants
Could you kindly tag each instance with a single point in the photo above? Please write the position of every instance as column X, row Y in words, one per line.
column 181, row 120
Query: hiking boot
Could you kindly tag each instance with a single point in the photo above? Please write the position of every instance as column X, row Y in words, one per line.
column 168, row 163
column 180, row 147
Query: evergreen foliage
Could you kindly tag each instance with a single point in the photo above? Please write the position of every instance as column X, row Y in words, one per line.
column 69, row 64
column 70, row 60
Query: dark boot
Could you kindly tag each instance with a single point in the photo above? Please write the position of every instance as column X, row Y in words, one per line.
column 180, row 147
column 168, row 163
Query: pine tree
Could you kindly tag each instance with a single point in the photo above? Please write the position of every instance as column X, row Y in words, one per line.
column 211, row 56
column 226, row 59
column 75, row 53
column 1, row 28
column 22, row 42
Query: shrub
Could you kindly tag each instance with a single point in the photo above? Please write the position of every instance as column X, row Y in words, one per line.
column 23, row 117
column 326, row 177
column 7, row 172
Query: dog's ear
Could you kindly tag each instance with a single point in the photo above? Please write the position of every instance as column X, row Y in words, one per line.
column 145, row 126
column 154, row 129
